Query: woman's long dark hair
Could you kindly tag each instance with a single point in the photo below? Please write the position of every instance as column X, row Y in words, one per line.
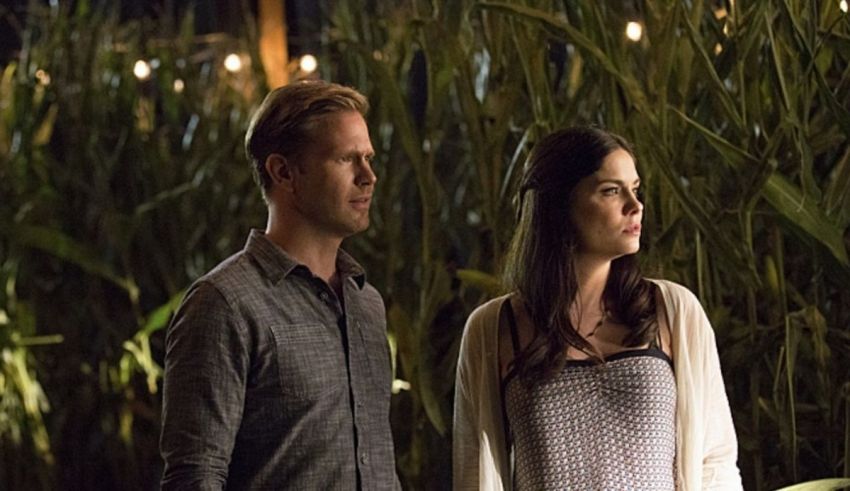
column 540, row 264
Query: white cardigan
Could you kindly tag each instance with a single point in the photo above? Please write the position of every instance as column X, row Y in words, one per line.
column 706, row 445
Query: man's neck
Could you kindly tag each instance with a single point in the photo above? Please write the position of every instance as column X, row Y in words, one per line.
column 317, row 252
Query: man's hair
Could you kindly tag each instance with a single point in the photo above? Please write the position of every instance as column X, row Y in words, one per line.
column 285, row 121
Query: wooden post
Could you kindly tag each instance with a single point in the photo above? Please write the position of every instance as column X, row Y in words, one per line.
column 274, row 51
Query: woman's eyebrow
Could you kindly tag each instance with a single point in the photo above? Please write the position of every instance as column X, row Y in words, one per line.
column 618, row 181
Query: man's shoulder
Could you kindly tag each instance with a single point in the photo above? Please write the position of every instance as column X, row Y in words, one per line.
column 231, row 276
column 234, row 270
column 371, row 294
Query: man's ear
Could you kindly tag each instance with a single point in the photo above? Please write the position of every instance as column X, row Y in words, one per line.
column 280, row 170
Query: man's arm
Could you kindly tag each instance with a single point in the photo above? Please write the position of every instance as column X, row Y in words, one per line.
column 206, row 366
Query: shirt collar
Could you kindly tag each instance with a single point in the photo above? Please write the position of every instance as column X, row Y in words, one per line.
column 276, row 264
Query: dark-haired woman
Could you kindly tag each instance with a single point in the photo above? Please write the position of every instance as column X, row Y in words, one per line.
column 588, row 375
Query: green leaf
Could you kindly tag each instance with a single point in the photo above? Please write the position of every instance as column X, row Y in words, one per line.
column 836, row 198
column 724, row 246
column 483, row 281
column 66, row 248
column 783, row 196
column 732, row 153
column 790, row 202
column 720, row 91
column 160, row 316
column 819, row 485
column 565, row 31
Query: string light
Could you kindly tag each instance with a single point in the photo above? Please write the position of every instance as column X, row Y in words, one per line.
column 179, row 85
column 308, row 64
column 634, row 31
column 233, row 63
column 142, row 70
column 718, row 48
column 843, row 6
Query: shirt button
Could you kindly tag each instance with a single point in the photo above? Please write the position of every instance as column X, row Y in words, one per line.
column 364, row 458
column 324, row 296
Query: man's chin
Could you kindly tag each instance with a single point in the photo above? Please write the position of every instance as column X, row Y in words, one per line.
column 355, row 229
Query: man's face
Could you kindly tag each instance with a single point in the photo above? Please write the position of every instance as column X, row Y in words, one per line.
column 333, row 180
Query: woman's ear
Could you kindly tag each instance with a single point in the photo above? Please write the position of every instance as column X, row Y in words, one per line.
column 280, row 170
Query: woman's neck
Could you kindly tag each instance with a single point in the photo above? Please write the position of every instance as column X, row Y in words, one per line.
column 592, row 276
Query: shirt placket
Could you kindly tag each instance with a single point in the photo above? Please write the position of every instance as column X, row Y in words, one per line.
column 355, row 358
column 357, row 364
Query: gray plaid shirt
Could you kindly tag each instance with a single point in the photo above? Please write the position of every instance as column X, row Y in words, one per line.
column 270, row 383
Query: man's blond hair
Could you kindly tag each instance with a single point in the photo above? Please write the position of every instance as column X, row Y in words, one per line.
column 285, row 121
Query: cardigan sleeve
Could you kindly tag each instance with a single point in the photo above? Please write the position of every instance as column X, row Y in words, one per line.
column 479, row 460
column 706, row 445
column 465, row 447
column 720, row 447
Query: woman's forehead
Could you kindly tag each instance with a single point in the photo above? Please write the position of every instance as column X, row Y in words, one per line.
column 618, row 165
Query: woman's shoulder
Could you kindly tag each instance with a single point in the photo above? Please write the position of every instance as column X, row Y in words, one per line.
column 488, row 311
column 484, row 320
column 683, row 310
column 673, row 292
column 482, row 328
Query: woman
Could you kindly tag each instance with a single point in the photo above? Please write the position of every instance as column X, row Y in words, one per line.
column 587, row 375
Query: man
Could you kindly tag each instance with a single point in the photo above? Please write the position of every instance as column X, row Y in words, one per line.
column 277, row 369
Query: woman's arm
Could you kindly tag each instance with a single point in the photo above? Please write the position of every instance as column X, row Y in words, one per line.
column 479, row 451
column 465, row 447
column 720, row 468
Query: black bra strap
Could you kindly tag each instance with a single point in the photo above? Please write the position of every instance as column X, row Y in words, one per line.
column 657, row 342
column 512, row 326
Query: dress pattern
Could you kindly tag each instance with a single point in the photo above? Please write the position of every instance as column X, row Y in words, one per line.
column 600, row 426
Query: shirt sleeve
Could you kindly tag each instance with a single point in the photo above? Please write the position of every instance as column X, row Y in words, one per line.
column 206, row 366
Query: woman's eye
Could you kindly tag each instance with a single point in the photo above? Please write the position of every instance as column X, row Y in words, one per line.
column 610, row 191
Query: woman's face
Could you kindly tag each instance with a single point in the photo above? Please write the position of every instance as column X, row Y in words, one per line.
column 606, row 211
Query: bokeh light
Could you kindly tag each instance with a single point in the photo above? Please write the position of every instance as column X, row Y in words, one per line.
column 634, row 31
column 233, row 63
column 308, row 64
column 142, row 70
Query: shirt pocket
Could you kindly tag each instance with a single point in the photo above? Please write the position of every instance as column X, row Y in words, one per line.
column 311, row 361
column 378, row 353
